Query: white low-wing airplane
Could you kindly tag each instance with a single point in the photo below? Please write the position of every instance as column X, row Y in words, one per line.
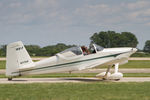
column 19, row 62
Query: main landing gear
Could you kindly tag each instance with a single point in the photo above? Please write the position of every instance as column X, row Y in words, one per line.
column 9, row 78
column 107, row 75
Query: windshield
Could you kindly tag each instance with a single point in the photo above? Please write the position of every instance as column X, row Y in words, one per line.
column 75, row 50
column 98, row 48
column 94, row 48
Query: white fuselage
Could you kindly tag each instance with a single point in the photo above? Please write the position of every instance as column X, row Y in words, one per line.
column 57, row 63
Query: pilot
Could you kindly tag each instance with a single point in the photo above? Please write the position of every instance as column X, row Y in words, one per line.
column 85, row 50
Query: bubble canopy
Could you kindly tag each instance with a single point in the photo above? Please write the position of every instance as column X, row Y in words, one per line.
column 78, row 51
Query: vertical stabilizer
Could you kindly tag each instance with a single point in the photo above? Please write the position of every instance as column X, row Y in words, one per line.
column 17, row 57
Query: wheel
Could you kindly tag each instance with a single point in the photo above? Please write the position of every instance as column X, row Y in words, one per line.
column 9, row 78
column 117, row 79
column 104, row 78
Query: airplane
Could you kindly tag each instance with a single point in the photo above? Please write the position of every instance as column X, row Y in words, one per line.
column 19, row 63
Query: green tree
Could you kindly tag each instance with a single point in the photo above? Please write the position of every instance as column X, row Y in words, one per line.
column 128, row 39
column 53, row 49
column 147, row 46
column 0, row 52
column 3, row 50
column 101, row 38
column 33, row 49
column 113, row 39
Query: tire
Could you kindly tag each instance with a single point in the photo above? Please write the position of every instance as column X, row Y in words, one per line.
column 9, row 78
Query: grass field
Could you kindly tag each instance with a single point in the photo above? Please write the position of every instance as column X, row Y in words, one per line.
column 134, row 64
column 76, row 91
column 137, row 64
column 131, row 64
column 57, row 75
column 2, row 64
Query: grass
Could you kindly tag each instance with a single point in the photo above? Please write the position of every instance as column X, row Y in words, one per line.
column 2, row 64
column 76, row 91
column 134, row 64
column 84, row 75
column 139, row 54
column 136, row 74
column 58, row 75
column 131, row 64
column 137, row 64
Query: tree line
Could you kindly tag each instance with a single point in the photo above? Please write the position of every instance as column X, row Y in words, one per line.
column 107, row 39
column 111, row 39
column 35, row 50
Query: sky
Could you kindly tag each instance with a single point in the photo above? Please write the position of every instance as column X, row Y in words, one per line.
column 48, row 22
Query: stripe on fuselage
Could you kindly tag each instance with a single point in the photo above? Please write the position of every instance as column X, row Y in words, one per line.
column 60, row 65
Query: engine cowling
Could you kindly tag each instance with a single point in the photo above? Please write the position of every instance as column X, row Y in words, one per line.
column 116, row 76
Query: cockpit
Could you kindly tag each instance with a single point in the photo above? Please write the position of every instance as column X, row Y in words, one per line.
column 83, row 50
column 93, row 48
column 72, row 51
